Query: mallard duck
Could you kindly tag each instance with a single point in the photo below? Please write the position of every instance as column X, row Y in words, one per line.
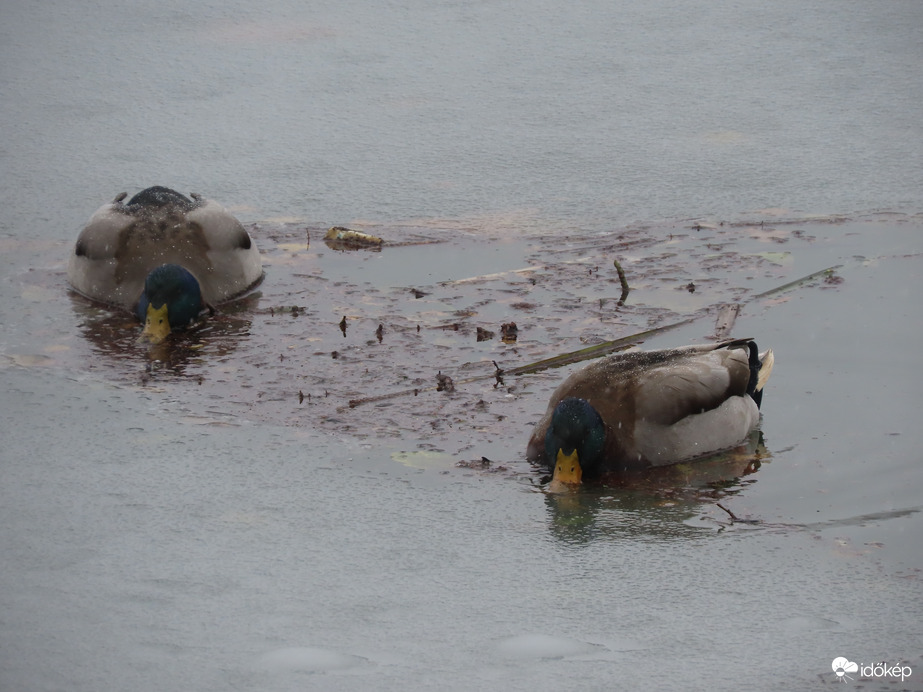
column 635, row 410
column 164, row 257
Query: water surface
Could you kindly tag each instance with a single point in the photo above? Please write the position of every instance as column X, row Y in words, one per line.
column 216, row 516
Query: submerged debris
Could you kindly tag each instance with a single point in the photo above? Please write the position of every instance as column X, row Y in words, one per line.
column 293, row 310
column 485, row 334
column 444, row 383
column 482, row 464
column 509, row 332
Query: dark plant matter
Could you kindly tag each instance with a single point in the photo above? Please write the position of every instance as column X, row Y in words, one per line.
column 427, row 341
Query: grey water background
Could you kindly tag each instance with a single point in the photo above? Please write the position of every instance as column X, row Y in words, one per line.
column 141, row 551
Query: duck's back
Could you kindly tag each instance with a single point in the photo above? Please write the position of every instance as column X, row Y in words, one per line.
column 122, row 243
column 651, row 401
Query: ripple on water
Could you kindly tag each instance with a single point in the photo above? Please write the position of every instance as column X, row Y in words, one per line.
column 308, row 659
column 544, row 646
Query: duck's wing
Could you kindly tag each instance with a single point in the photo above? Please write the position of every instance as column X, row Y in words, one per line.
column 691, row 384
column 231, row 262
column 93, row 267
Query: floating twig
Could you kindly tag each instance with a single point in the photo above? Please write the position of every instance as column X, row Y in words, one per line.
column 735, row 518
column 595, row 351
column 498, row 374
column 797, row 282
column 623, row 281
column 724, row 323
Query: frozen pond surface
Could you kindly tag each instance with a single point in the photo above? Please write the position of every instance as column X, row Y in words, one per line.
column 216, row 516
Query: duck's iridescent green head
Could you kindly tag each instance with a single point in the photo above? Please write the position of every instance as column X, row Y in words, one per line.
column 575, row 441
column 171, row 300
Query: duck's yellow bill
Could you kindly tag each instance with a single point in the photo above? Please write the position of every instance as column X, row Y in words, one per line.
column 567, row 469
column 156, row 324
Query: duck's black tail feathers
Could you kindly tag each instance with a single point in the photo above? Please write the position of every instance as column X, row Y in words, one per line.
column 760, row 369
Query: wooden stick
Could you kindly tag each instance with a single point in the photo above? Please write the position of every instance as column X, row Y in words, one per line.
column 622, row 280
column 724, row 323
column 797, row 282
column 595, row 351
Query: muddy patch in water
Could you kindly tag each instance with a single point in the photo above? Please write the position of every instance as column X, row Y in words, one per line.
column 413, row 340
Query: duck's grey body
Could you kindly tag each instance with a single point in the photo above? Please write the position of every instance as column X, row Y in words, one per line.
column 664, row 407
column 122, row 243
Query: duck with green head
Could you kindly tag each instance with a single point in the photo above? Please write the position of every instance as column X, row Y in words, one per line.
column 165, row 257
column 632, row 411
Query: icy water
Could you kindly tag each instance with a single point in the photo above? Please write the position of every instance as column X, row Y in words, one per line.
column 276, row 503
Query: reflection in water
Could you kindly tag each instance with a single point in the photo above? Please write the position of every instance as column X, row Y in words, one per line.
column 115, row 335
column 657, row 503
